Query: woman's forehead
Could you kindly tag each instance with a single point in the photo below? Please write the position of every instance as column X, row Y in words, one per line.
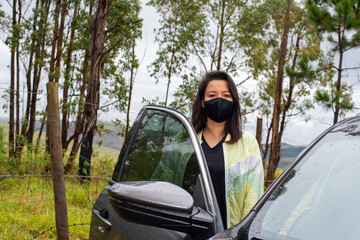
column 217, row 85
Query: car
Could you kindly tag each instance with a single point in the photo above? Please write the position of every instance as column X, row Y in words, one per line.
column 161, row 188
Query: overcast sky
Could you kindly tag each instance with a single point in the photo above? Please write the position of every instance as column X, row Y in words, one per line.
column 298, row 132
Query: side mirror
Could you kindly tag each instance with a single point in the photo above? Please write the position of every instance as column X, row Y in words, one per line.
column 158, row 204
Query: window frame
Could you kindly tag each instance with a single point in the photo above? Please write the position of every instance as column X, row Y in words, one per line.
column 205, row 176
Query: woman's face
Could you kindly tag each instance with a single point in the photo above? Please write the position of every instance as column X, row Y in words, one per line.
column 216, row 89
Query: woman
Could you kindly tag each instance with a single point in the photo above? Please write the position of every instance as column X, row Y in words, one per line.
column 232, row 155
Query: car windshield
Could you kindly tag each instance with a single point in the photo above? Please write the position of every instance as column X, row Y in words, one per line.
column 319, row 199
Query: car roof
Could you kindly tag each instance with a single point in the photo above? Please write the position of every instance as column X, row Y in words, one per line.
column 349, row 125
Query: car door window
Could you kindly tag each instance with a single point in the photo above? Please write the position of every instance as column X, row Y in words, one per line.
column 161, row 151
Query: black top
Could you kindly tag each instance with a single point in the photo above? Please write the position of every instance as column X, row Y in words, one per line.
column 216, row 164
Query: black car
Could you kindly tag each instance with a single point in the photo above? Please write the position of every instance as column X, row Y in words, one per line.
column 161, row 188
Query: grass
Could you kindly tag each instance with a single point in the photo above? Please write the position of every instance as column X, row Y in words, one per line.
column 28, row 209
column 27, row 206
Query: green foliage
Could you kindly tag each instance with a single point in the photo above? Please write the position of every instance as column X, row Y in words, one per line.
column 27, row 205
column 341, row 21
column 2, row 18
column 181, row 24
column 327, row 97
column 124, row 28
column 186, row 93
column 302, row 55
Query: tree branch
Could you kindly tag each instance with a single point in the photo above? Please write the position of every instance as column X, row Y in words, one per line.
column 243, row 81
column 353, row 68
column 112, row 47
column 200, row 58
column 116, row 26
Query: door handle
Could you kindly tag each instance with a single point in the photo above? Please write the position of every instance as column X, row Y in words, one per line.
column 104, row 225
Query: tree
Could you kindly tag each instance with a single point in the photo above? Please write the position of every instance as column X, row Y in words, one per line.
column 182, row 22
column 190, row 48
column 118, row 85
column 93, row 92
column 261, row 35
column 13, row 46
column 340, row 20
column 275, row 146
column 134, row 65
column 37, row 57
column 17, row 126
column 81, row 25
column 124, row 26
column 67, row 75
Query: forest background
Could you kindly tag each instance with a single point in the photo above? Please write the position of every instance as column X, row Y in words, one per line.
column 294, row 63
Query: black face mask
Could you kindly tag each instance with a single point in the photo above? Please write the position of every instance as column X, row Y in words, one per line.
column 219, row 109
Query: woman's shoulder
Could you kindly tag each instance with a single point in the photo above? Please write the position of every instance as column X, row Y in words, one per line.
column 247, row 137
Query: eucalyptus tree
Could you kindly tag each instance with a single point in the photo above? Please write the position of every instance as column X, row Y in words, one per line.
column 181, row 24
column 275, row 136
column 13, row 45
column 217, row 48
column 340, row 20
column 285, row 71
column 76, row 78
column 93, row 94
column 114, row 28
column 68, row 73
column 12, row 25
column 35, row 47
column 196, row 37
column 120, row 72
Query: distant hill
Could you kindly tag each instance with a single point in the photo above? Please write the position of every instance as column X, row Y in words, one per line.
column 288, row 153
column 112, row 143
column 109, row 140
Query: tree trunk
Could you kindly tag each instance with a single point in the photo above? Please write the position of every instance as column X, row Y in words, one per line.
column 65, row 109
column 43, row 120
column 39, row 54
column 290, row 93
column 339, row 70
column 222, row 28
column 79, row 120
column 28, row 75
column 275, row 145
column 17, row 129
column 169, row 77
column 59, row 44
column 34, row 92
column 130, row 90
column 12, row 84
column 56, row 49
column 54, row 41
column 266, row 149
column 93, row 93
column 259, row 123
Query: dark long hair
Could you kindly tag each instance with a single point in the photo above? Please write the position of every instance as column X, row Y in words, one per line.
column 198, row 117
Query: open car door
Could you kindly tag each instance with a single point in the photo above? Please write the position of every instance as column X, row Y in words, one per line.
column 160, row 187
